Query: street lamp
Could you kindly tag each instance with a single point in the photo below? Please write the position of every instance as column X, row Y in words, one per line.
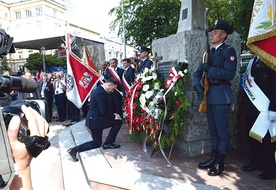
column 124, row 31
column 42, row 51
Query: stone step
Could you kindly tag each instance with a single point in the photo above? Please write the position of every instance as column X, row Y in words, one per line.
column 73, row 173
column 119, row 172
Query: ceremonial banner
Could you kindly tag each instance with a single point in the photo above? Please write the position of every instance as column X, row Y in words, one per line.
column 87, row 58
column 80, row 78
column 79, row 81
column 261, row 102
column 262, row 33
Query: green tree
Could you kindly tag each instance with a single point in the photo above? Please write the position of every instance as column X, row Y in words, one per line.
column 5, row 66
column 236, row 12
column 146, row 21
column 35, row 64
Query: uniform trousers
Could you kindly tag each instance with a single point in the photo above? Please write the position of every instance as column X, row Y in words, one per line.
column 218, row 119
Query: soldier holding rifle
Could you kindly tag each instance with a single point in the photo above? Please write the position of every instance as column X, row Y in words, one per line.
column 221, row 69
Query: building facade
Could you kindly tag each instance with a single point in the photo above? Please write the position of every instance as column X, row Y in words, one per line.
column 33, row 21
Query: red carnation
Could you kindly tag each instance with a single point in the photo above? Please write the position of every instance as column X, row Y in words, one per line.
column 178, row 103
column 136, row 95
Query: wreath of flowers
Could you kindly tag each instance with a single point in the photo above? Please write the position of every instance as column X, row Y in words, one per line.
column 141, row 116
column 151, row 110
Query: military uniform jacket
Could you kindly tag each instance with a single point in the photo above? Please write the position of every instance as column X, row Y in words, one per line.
column 223, row 65
column 145, row 64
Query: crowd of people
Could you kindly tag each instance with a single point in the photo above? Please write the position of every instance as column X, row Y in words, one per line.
column 52, row 89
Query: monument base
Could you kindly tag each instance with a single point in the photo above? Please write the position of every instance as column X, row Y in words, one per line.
column 194, row 138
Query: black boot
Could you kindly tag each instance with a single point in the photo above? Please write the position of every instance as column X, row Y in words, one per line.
column 218, row 166
column 209, row 163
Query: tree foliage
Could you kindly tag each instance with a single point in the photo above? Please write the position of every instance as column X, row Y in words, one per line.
column 35, row 62
column 236, row 12
column 148, row 20
column 5, row 66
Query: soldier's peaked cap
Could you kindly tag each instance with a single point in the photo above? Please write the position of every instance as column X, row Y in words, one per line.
column 143, row 48
column 223, row 25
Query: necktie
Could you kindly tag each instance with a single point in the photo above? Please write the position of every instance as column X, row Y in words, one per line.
column 213, row 50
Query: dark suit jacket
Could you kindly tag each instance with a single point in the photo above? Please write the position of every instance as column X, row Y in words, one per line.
column 129, row 75
column 98, row 112
column 145, row 64
column 264, row 77
column 120, row 72
column 223, row 67
column 115, row 99
column 49, row 94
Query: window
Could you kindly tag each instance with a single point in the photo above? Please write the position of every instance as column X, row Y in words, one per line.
column 18, row 14
column 28, row 12
column 31, row 52
column 38, row 10
column 20, row 55
column 54, row 12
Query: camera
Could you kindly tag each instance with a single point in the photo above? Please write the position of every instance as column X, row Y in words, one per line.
column 15, row 109
column 7, row 170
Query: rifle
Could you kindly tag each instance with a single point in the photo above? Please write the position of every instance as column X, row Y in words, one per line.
column 205, row 59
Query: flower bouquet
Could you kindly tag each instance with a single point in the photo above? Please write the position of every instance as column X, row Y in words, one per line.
column 149, row 109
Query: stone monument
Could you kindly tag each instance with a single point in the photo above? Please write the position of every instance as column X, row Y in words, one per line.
column 191, row 15
column 190, row 43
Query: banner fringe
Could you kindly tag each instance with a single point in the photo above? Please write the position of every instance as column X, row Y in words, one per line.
column 256, row 136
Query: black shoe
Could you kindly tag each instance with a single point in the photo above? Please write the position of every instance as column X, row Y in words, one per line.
column 62, row 120
column 218, row 167
column 209, row 163
column 264, row 176
column 249, row 168
column 73, row 153
column 72, row 120
column 111, row 146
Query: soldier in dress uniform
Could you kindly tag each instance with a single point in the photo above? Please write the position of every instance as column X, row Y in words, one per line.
column 144, row 57
column 221, row 69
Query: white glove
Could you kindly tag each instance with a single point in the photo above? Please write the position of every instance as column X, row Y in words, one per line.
column 272, row 115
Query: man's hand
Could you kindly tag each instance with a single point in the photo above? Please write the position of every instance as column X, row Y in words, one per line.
column 205, row 67
column 117, row 116
column 22, row 158
column 272, row 115
column 199, row 90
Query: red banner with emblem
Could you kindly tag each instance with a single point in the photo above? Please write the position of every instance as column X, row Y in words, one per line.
column 262, row 33
column 79, row 81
